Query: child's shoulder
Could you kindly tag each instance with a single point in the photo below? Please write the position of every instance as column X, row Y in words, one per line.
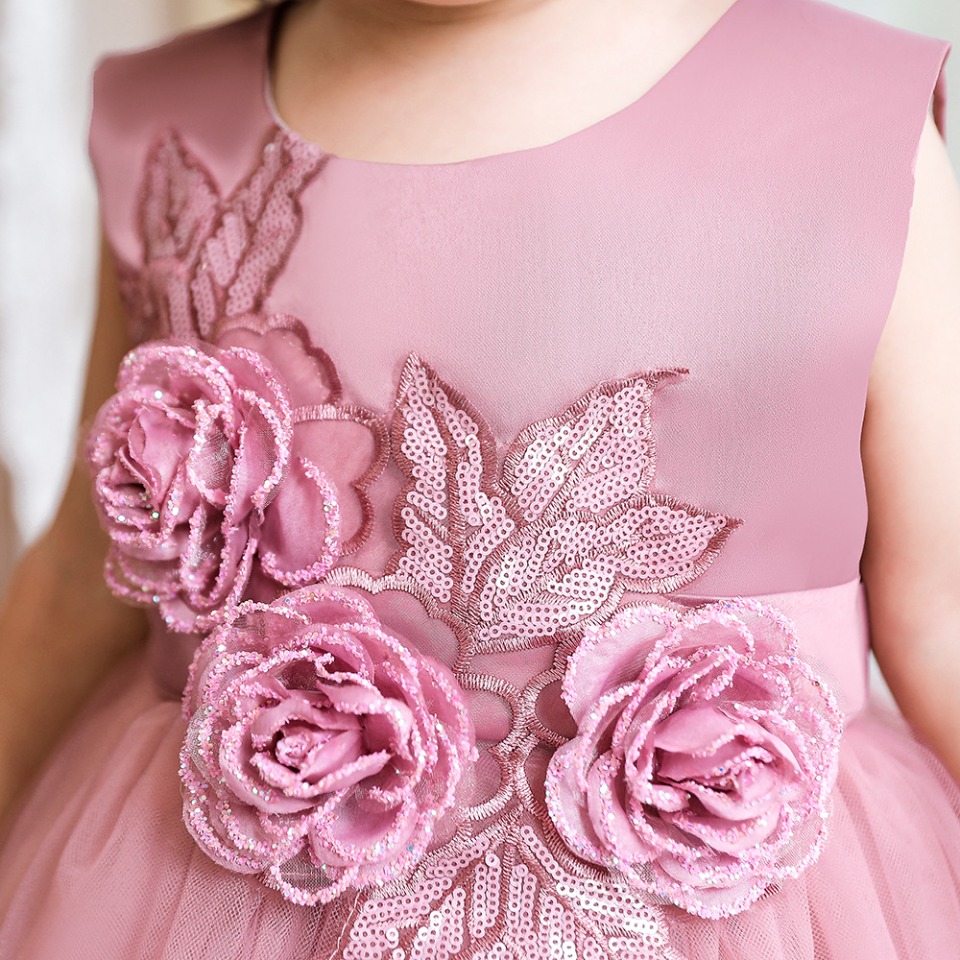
column 824, row 34
column 206, row 69
column 205, row 86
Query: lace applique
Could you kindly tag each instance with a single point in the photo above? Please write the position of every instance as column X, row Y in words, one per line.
column 504, row 567
column 519, row 558
column 552, row 542
column 208, row 266
column 501, row 895
column 205, row 259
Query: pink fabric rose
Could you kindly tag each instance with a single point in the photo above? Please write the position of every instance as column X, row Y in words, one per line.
column 322, row 750
column 188, row 457
column 705, row 753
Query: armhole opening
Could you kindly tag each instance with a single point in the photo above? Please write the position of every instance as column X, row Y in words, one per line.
column 938, row 100
column 937, row 104
column 936, row 86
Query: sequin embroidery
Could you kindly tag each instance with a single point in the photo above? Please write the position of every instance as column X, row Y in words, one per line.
column 206, row 259
column 506, row 561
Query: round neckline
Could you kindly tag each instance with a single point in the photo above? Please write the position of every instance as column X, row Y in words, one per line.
column 269, row 21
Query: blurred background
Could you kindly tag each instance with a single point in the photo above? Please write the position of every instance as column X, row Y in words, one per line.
column 48, row 231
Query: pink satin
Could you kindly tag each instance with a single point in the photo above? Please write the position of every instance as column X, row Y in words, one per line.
column 771, row 171
column 832, row 623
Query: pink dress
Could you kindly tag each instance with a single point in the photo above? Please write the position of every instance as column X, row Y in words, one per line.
column 499, row 523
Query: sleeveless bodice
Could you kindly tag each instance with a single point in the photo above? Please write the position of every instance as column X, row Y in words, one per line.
column 534, row 390
column 744, row 219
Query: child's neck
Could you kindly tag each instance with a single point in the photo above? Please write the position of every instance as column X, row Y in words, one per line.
column 416, row 82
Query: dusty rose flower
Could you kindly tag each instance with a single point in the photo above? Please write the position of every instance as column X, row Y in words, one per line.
column 704, row 757
column 188, row 458
column 322, row 749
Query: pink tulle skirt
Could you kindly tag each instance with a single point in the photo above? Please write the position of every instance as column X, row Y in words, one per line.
column 99, row 864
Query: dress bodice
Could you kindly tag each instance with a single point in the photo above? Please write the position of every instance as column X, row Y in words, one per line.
column 744, row 220
column 541, row 470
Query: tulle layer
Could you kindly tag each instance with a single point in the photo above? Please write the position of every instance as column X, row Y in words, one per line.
column 99, row 864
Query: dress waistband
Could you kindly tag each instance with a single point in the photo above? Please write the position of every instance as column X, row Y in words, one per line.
column 832, row 627
column 833, row 630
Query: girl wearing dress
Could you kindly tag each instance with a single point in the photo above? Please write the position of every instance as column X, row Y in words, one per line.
column 482, row 417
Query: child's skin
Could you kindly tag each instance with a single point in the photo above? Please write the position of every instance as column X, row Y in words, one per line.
column 436, row 81
column 442, row 80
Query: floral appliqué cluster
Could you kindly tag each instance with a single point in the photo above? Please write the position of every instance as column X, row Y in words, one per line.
column 344, row 728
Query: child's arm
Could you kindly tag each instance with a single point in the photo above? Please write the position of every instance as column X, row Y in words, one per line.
column 60, row 628
column 911, row 456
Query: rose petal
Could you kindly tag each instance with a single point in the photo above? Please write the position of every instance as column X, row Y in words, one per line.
column 693, row 729
column 609, row 818
column 300, row 539
column 156, row 446
column 719, row 833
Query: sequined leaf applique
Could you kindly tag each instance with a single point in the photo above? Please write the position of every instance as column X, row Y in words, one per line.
column 551, row 542
column 255, row 233
column 503, row 895
column 205, row 258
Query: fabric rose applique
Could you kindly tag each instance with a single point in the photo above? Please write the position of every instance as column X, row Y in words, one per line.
column 322, row 750
column 206, row 476
column 704, row 757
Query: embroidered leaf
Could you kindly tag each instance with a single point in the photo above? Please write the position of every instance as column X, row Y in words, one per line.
column 179, row 203
column 553, row 543
column 140, row 310
column 450, row 514
column 179, row 207
column 204, row 257
column 502, row 894
column 255, row 234
column 556, row 576
column 596, row 454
